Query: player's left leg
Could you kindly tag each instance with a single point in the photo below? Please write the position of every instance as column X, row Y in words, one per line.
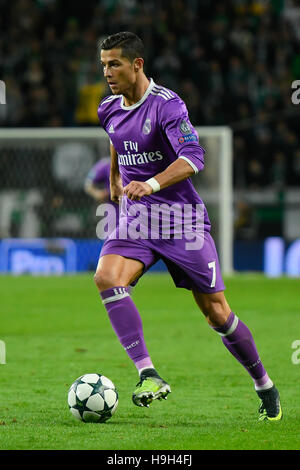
column 238, row 339
column 197, row 268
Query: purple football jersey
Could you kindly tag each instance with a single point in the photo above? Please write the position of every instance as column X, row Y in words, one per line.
column 148, row 136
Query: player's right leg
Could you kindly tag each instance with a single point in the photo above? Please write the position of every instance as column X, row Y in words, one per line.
column 113, row 276
column 114, row 269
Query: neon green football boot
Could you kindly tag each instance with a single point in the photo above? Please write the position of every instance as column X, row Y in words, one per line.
column 150, row 387
column 270, row 407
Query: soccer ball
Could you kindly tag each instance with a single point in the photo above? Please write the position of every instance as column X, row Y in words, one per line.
column 93, row 398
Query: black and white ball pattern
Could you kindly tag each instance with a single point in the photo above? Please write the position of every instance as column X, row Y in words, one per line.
column 93, row 398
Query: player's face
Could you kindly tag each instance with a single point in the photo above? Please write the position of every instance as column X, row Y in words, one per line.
column 119, row 72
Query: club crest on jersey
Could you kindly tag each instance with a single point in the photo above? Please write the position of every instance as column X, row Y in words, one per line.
column 185, row 128
column 147, row 126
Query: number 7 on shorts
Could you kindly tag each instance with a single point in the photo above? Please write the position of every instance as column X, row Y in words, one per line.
column 212, row 265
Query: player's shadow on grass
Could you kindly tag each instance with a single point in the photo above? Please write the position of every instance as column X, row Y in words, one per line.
column 164, row 425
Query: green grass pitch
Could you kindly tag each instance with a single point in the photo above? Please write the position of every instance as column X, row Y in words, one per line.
column 56, row 329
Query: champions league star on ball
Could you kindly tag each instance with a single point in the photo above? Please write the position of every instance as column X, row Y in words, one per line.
column 93, row 398
column 154, row 153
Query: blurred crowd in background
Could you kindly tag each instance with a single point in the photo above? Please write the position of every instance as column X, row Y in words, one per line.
column 232, row 62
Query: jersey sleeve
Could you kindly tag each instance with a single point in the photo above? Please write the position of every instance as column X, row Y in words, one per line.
column 98, row 174
column 182, row 136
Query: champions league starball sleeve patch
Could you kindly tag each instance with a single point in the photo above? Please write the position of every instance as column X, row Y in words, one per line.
column 187, row 132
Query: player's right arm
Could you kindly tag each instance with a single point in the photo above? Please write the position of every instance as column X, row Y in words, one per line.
column 116, row 187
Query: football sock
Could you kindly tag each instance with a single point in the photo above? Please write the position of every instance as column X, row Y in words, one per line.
column 127, row 324
column 144, row 364
column 238, row 339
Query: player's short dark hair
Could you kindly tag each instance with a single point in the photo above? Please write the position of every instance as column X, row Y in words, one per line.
column 132, row 46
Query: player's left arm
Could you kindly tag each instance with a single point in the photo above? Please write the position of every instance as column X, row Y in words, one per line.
column 174, row 173
column 183, row 138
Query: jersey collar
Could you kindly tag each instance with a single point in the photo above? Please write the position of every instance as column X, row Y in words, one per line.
column 144, row 97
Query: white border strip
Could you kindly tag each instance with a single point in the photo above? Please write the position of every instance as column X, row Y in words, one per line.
column 232, row 328
column 190, row 163
column 114, row 298
column 27, row 133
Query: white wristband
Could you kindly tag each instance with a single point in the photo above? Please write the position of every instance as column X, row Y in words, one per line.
column 154, row 184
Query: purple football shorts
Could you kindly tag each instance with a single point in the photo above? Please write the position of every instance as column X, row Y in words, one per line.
column 192, row 265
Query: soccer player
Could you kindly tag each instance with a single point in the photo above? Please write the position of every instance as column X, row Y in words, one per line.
column 154, row 153
column 96, row 183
